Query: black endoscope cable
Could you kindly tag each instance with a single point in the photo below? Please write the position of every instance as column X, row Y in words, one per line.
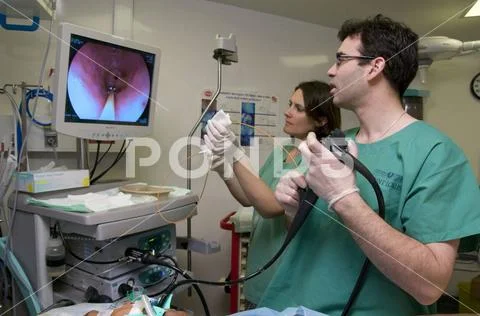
column 341, row 152
column 148, row 258
column 308, row 199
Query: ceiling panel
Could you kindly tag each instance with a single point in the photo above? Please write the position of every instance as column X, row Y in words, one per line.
column 426, row 17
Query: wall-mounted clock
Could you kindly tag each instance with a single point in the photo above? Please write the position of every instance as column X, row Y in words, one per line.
column 475, row 86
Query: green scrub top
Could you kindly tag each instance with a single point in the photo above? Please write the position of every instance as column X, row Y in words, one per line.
column 267, row 233
column 431, row 195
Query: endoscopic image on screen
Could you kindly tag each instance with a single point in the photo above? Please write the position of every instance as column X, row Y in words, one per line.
column 108, row 83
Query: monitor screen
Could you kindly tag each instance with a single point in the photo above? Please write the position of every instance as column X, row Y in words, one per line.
column 106, row 85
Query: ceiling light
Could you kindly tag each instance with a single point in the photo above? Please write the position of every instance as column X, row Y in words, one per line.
column 474, row 11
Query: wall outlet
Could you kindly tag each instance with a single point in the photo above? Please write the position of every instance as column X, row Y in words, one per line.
column 51, row 139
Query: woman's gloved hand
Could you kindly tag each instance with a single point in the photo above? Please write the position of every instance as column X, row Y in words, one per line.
column 224, row 169
column 286, row 192
column 223, row 142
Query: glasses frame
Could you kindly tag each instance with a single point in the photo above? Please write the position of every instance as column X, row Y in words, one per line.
column 341, row 58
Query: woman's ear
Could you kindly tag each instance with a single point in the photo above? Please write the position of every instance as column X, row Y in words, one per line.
column 321, row 122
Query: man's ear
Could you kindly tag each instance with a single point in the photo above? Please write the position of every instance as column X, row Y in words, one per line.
column 378, row 64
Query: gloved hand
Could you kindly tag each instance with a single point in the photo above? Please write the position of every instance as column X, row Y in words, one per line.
column 224, row 170
column 329, row 178
column 286, row 192
column 223, row 142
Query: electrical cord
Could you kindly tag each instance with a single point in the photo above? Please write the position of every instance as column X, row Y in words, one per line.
column 119, row 156
column 175, row 275
column 147, row 258
column 105, row 152
column 117, row 159
column 67, row 247
column 96, row 160
column 99, row 160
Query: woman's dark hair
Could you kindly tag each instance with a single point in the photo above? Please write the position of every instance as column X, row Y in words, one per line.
column 318, row 104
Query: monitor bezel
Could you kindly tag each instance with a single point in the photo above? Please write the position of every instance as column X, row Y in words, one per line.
column 97, row 131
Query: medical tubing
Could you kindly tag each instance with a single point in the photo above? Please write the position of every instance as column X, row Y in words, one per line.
column 150, row 259
column 296, row 224
column 308, row 199
column 304, row 210
column 363, row 170
column 37, row 93
column 14, row 106
column 357, row 287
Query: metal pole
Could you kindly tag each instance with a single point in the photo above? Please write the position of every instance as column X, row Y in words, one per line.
column 24, row 124
column 82, row 153
column 189, row 157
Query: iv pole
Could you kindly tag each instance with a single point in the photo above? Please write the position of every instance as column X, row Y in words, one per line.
column 225, row 54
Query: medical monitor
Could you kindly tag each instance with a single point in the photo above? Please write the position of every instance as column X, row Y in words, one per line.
column 105, row 85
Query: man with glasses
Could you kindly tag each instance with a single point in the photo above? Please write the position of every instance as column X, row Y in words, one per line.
column 430, row 193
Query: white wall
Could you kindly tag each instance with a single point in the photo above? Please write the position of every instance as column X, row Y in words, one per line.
column 451, row 107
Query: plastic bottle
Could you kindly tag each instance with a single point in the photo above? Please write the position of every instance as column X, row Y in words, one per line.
column 55, row 255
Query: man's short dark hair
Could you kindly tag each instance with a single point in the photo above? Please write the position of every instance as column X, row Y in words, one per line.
column 394, row 41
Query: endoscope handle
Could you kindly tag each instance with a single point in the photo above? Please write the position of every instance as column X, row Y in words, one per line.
column 338, row 145
column 307, row 200
column 306, row 194
column 336, row 142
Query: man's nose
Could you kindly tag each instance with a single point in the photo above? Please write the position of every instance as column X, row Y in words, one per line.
column 331, row 71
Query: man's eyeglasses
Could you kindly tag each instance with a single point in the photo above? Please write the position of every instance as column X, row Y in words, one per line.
column 341, row 58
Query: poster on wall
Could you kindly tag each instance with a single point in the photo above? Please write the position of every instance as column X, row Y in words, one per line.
column 253, row 114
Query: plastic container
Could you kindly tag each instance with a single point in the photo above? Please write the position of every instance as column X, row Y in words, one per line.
column 55, row 256
column 468, row 303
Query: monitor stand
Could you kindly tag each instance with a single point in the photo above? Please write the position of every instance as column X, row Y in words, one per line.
column 82, row 153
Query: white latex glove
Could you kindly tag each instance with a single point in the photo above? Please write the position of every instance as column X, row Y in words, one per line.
column 286, row 192
column 224, row 170
column 329, row 178
column 222, row 141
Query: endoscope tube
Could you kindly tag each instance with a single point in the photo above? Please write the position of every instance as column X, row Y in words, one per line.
column 308, row 199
